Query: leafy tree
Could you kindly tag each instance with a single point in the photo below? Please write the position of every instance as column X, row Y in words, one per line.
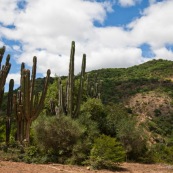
column 133, row 138
column 82, row 149
column 106, row 153
column 95, row 110
column 115, row 114
column 126, row 128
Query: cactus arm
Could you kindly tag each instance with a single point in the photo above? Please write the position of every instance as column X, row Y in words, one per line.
column 9, row 111
column 80, row 90
column 4, row 70
column 60, row 97
column 1, row 96
column 43, row 95
column 2, row 51
column 33, row 76
column 27, row 94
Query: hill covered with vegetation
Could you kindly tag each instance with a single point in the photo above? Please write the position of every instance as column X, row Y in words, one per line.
column 125, row 112
column 121, row 83
column 140, row 96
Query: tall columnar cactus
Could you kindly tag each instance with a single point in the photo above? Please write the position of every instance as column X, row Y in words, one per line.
column 4, row 70
column 67, row 102
column 94, row 86
column 28, row 105
column 9, row 110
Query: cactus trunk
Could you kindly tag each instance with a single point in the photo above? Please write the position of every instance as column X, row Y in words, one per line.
column 27, row 104
column 9, row 111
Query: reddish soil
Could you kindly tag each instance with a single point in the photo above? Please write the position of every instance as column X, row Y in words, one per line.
column 16, row 167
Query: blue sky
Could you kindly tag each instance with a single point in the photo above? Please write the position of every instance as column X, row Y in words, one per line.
column 113, row 33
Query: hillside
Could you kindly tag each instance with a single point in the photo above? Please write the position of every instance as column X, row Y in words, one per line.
column 145, row 90
column 121, row 83
column 136, row 109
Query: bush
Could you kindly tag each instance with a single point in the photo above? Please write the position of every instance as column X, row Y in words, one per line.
column 96, row 110
column 160, row 153
column 31, row 155
column 57, row 136
column 127, row 130
column 82, row 149
column 106, row 153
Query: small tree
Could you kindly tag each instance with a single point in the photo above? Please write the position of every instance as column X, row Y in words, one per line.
column 106, row 153
column 95, row 109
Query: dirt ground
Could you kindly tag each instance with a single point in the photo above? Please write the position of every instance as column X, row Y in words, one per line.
column 16, row 167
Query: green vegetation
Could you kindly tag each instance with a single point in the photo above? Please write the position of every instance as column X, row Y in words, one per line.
column 101, row 119
column 57, row 136
column 106, row 153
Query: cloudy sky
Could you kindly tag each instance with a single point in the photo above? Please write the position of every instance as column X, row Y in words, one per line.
column 112, row 33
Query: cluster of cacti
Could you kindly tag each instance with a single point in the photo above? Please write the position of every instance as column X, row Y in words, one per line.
column 4, row 70
column 68, row 103
column 93, row 86
column 9, row 110
column 27, row 105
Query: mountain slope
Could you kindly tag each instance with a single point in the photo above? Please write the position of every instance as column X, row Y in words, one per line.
column 120, row 84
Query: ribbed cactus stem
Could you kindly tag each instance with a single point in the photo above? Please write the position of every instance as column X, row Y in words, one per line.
column 80, row 90
column 40, row 105
column 4, row 70
column 60, row 95
column 33, row 76
column 9, row 111
column 94, row 87
column 70, row 92
column 2, row 51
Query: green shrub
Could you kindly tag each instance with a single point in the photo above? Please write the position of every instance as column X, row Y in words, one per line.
column 160, row 153
column 31, row 155
column 82, row 149
column 96, row 110
column 127, row 130
column 57, row 136
column 106, row 153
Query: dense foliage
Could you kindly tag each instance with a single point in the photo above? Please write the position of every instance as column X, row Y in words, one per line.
column 106, row 153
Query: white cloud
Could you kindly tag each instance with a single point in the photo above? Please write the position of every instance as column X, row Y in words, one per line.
column 16, row 48
column 45, row 60
column 52, row 29
column 1, row 44
column 163, row 53
column 127, row 3
column 15, row 76
column 155, row 26
column 111, row 58
column 47, row 33
column 8, row 11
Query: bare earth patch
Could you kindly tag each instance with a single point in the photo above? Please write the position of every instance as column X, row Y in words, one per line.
column 18, row 167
